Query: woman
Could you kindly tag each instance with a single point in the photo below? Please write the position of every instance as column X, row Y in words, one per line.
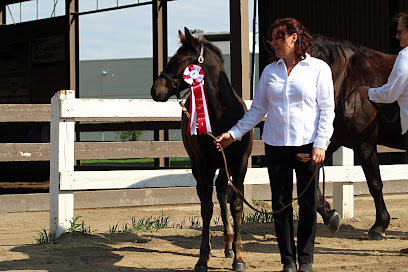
column 396, row 89
column 296, row 93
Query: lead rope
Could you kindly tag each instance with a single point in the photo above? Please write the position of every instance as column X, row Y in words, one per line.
column 301, row 157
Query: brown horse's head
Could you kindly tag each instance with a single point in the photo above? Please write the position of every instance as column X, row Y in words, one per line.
column 270, row 50
column 170, row 81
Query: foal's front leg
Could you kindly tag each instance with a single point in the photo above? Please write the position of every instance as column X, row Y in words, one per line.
column 204, row 191
column 222, row 195
column 238, row 172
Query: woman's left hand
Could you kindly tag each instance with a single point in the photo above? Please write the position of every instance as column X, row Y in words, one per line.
column 318, row 155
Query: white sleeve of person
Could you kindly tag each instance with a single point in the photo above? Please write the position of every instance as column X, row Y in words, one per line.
column 397, row 82
column 325, row 104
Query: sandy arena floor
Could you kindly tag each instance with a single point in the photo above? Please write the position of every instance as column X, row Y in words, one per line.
column 176, row 249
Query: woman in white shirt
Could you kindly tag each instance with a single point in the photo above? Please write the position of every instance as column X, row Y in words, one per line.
column 296, row 93
column 396, row 89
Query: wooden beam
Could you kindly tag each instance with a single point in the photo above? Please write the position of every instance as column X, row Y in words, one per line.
column 160, row 46
column 112, row 150
column 25, row 112
column 239, row 46
column 105, row 150
column 24, row 152
column 263, row 24
column 2, row 15
column 62, row 160
column 72, row 50
column 128, row 126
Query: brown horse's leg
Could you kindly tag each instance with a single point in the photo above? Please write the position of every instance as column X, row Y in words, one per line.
column 222, row 195
column 331, row 218
column 204, row 191
column 367, row 155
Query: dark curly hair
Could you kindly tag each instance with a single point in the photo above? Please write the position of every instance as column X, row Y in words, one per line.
column 288, row 26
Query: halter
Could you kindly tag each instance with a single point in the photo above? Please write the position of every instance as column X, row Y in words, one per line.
column 176, row 82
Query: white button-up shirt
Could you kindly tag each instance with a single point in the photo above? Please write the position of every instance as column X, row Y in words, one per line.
column 396, row 89
column 299, row 107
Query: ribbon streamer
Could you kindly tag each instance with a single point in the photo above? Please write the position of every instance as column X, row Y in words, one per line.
column 194, row 76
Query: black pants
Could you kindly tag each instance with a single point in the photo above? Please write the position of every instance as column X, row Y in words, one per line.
column 281, row 162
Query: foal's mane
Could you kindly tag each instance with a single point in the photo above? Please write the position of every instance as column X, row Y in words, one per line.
column 214, row 49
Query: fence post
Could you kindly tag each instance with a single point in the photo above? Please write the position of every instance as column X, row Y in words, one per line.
column 343, row 192
column 62, row 137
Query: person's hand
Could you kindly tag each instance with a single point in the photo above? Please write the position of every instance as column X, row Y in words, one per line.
column 363, row 91
column 318, row 155
column 224, row 140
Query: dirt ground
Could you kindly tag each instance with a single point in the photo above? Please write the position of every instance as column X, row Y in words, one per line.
column 177, row 249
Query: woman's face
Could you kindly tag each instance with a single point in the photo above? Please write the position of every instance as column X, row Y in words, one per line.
column 402, row 35
column 284, row 46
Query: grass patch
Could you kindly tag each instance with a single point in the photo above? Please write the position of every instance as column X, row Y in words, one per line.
column 44, row 237
column 120, row 162
column 145, row 224
column 79, row 227
column 154, row 223
column 180, row 162
column 256, row 218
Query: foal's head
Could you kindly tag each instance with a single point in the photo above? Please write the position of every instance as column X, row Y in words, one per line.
column 170, row 82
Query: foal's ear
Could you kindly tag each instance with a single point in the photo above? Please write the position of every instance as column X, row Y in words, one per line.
column 190, row 39
column 270, row 50
column 182, row 37
column 268, row 46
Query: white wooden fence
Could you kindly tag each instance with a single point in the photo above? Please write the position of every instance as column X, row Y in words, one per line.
column 66, row 110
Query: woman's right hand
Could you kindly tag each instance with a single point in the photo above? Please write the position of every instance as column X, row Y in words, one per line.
column 363, row 91
column 224, row 140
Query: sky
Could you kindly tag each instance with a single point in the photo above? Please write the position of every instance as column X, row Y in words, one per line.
column 127, row 33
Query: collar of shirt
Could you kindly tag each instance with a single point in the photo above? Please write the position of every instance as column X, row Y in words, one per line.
column 305, row 61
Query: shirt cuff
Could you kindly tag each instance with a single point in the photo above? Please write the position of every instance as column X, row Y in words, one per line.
column 235, row 134
column 371, row 94
column 321, row 143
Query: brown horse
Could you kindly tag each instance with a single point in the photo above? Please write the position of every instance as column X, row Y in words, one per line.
column 360, row 124
column 225, row 109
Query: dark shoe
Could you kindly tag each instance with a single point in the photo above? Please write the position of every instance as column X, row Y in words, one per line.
column 290, row 267
column 305, row 268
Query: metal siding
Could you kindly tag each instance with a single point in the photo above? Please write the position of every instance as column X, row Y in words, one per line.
column 403, row 5
column 364, row 21
column 33, row 54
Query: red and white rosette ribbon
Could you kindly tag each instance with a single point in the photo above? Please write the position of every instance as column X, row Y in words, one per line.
column 194, row 76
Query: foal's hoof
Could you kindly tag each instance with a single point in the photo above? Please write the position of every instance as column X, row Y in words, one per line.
column 375, row 235
column 238, row 266
column 334, row 221
column 200, row 268
column 229, row 253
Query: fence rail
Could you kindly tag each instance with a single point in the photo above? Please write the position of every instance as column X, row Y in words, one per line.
column 63, row 151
